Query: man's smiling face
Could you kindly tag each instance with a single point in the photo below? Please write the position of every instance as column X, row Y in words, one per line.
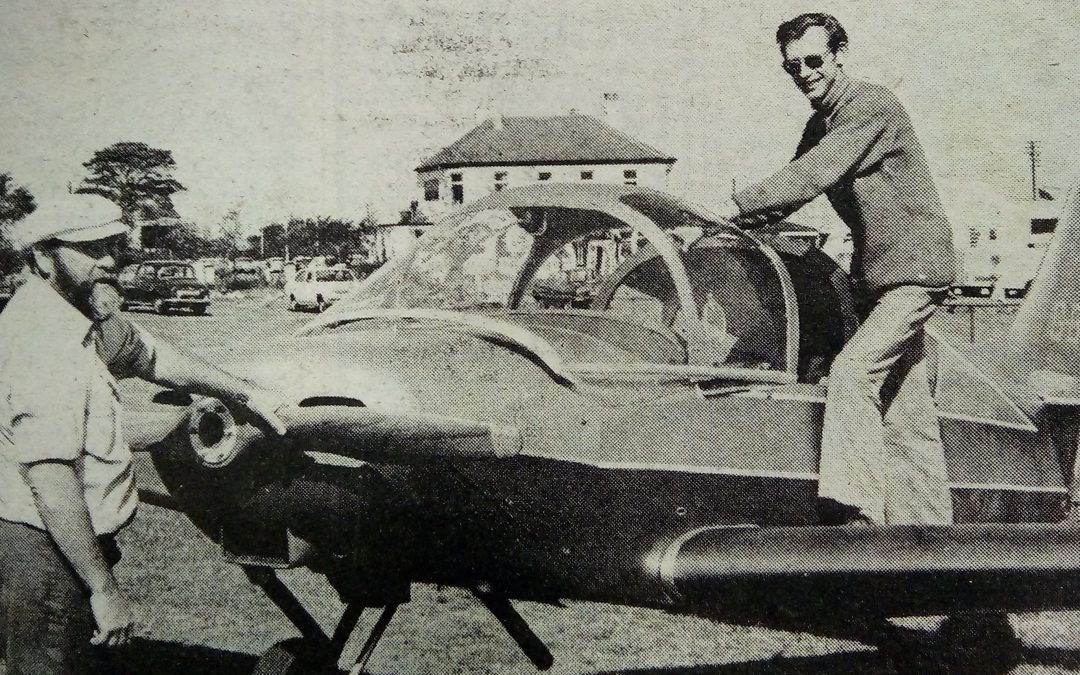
column 812, row 65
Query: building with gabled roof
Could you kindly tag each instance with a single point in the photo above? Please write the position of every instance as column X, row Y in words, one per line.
column 512, row 151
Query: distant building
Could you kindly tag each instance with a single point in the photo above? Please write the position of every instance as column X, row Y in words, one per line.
column 1004, row 245
column 152, row 219
column 511, row 151
column 391, row 239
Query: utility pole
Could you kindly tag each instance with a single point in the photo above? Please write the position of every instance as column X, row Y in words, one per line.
column 1033, row 155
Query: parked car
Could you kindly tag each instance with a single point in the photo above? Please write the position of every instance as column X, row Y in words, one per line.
column 319, row 287
column 166, row 285
column 127, row 273
column 247, row 265
column 572, row 288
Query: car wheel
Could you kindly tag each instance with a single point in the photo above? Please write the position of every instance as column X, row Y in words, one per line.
column 293, row 305
column 160, row 307
column 198, row 309
column 321, row 305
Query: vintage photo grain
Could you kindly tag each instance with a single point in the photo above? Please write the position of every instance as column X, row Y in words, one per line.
column 580, row 337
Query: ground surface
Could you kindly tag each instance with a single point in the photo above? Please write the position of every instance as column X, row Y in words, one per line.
column 200, row 614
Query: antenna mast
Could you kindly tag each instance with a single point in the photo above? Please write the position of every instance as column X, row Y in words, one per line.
column 1033, row 155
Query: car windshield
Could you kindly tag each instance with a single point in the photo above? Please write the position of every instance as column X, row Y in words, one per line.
column 334, row 275
column 176, row 272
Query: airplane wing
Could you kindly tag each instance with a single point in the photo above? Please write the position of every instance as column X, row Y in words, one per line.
column 896, row 570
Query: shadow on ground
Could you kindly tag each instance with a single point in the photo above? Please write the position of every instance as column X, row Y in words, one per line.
column 866, row 663
column 173, row 658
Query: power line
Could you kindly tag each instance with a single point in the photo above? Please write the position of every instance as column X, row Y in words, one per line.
column 1033, row 155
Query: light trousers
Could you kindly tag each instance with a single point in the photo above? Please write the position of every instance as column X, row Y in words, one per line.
column 881, row 450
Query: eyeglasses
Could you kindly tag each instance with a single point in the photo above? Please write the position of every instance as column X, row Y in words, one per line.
column 794, row 66
column 98, row 248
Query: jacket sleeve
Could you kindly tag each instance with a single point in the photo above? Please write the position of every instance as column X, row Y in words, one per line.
column 858, row 126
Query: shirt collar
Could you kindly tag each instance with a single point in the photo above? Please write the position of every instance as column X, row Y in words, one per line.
column 837, row 93
column 44, row 300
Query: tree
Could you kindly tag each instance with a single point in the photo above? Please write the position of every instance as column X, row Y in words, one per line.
column 15, row 204
column 232, row 234
column 182, row 241
column 132, row 174
column 322, row 235
column 274, row 239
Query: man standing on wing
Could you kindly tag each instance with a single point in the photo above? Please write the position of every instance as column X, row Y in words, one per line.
column 881, row 457
column 66, row 482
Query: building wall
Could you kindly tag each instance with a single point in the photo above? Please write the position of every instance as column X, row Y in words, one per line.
column 1005, row 248
column 477, row 182
column 391, row 240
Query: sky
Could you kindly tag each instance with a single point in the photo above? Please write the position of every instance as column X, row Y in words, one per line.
column 325, row 108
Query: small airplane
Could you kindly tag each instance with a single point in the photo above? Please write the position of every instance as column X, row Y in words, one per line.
column 657, row 448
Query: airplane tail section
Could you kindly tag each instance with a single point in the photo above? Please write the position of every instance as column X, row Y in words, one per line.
column 1041, row 347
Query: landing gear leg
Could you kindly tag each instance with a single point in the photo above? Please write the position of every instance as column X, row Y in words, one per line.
column 312, row 654
column 284, row 599
column 373, row 639
column 518, row 628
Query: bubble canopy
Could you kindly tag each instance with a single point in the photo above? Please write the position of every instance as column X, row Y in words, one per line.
column 598, row 274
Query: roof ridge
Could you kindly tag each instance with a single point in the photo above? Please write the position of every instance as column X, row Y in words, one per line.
column 554, row 139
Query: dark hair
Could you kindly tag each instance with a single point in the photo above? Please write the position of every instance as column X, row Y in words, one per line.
column 795, row 28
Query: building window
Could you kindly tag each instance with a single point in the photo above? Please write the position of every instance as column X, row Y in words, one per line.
column 1043, row 225
column 630, row 177
column 455, row 178
column 431, row 190
column 457, row 193
column 545, row 175
column 586, row 175
column 500, row 180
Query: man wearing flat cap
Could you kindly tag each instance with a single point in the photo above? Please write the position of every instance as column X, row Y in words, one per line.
column 66, row 482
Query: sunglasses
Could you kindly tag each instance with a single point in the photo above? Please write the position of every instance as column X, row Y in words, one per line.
column 794, row 66
column 98, row 248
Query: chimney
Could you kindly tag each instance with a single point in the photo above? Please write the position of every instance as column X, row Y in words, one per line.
column 611, row 106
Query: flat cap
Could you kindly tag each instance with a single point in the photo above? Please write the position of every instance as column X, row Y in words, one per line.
column 69, row 217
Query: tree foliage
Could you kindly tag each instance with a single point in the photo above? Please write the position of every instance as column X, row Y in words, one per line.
column 318, row 236
column 16, row 202
column 130, row 174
